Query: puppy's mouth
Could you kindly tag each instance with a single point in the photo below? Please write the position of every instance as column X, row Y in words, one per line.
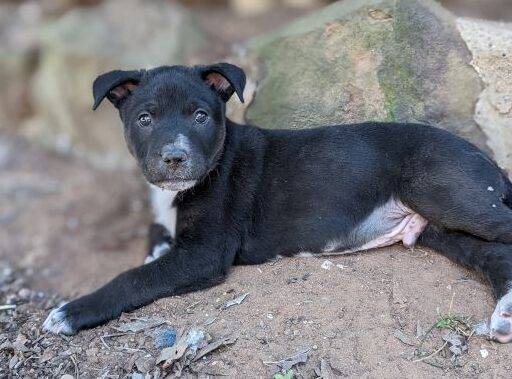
column 176, row 184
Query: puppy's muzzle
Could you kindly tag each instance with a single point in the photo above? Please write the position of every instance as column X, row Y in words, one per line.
column 174, row 157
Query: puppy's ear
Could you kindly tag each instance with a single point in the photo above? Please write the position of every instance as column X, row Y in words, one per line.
column 225, row 79
column 116, row 86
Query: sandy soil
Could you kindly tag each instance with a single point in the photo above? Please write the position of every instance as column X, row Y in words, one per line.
column 66, row 229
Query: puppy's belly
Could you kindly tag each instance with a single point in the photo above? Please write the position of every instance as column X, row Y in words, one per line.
column 388, row 224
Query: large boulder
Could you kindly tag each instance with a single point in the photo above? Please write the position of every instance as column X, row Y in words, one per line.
column 86, row 42
column 18, row 57
column 491, row 46
column 359, row 60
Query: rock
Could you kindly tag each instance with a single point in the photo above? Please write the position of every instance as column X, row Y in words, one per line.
column 326, row 265
column 145, row 364
column 19, row 343
column 491, row 46
column 85, row 42
column 304, row 4
column 18, row 55
column 353, row 61
column 24, row 294
column 13, row 361
column 246, row 8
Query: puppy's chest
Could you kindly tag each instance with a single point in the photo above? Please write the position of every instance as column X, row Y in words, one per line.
column 164, row 211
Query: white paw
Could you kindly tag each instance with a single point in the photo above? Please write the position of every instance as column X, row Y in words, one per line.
column 501, row 320
column 57, row 322
column 157, row 252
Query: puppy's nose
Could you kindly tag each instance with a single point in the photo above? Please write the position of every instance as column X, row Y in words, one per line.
column 173, row 156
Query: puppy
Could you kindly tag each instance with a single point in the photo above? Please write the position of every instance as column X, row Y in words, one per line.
column 226, row 194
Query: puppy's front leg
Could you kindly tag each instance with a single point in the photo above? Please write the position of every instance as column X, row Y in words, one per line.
column 183, row 270
column 159, row 242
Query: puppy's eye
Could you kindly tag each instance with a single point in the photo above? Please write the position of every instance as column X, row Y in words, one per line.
column 201, row 116
column 144, row 119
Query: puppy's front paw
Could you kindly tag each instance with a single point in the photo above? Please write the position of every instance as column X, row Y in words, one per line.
column 501, row 320
column 157, row 251
column 58, row 322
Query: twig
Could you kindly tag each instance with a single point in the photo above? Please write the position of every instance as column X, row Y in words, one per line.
column 471, row 334
column 72, row 357
column 434, row 353
column 426, row 335
column 131, row 349
column 29, row 358
column 104, row 343
column 116, row 334
column 147, row 327
column 39, row 339
column 187, row 310
column 64, row 337
column 102, row 338
column 434, row 364
column 7, row 307
column 268, row 363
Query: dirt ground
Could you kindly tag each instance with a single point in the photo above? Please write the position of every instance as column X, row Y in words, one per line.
column 66, row 229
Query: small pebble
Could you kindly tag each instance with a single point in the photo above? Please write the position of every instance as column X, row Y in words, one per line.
column 24, row 293
column 12, row 362
column 491, row 189
column 484, row 353
column 327, row 265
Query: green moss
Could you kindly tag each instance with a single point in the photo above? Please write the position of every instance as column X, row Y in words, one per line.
column 397, row 75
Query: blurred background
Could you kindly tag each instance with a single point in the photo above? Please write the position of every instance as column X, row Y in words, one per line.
column 74, row 209
column 51, row 50
column 69, row 193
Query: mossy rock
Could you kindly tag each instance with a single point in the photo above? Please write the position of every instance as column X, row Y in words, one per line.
column 360, row 60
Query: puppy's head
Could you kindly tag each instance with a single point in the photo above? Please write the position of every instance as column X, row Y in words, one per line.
column 174, row 117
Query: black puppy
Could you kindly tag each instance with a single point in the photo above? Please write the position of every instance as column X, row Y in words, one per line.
column 229, row 194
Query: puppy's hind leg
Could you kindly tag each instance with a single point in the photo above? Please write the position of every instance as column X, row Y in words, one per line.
column 471, row 196
column 492, row 259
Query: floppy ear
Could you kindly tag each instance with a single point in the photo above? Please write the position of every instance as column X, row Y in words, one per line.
column 225, row 79
column 116, row 86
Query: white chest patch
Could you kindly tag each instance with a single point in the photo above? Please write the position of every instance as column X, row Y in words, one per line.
column 164, row 212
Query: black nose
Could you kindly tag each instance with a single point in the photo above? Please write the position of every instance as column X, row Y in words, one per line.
column 173, row 156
